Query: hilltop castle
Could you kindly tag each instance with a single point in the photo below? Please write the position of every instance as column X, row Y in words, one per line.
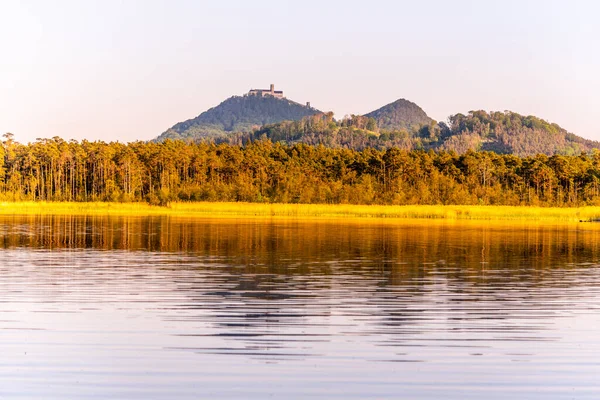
column 267, row 92
column 278, row 94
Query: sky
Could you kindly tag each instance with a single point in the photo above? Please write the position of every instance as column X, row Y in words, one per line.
column 118, row 70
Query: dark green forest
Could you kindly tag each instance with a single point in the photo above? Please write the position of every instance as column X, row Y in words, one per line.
column 264, row 171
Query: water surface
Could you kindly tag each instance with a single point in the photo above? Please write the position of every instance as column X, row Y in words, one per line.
column 166, row 308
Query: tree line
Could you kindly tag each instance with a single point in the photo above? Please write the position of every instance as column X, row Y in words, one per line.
column 264, row 171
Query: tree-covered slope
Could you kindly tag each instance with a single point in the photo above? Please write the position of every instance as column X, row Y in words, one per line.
column 501, row 132
column 510, row 133
column 401, row 114
column 237, row 114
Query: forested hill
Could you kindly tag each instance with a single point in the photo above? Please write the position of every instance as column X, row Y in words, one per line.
column 402, row 124
column 501, row 132
column 238, row 114
column 509, row 133
column 401, row 114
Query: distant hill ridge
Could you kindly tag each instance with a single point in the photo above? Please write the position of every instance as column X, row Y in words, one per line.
column 266, row 113
column 240, row 114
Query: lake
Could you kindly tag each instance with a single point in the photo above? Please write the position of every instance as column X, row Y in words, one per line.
column 167, row 308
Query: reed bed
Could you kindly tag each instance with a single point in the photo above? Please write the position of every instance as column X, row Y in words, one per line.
column 262, row 210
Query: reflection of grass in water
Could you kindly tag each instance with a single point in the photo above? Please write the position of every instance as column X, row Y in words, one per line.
column 261, row 210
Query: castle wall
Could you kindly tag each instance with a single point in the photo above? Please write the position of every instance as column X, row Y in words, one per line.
column 264, row 92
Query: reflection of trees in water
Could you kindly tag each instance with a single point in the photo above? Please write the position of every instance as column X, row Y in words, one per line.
column 401, row 252
column 264, row 282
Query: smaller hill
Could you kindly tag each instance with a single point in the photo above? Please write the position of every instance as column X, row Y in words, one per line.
column 510, row 133
column 238, row 114
column 400, row 115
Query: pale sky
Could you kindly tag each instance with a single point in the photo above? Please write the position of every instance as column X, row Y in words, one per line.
column 128, row 70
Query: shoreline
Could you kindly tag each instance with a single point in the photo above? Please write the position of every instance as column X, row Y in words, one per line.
column 307, row 211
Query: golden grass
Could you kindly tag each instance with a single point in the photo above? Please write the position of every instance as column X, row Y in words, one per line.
column 306, row 211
